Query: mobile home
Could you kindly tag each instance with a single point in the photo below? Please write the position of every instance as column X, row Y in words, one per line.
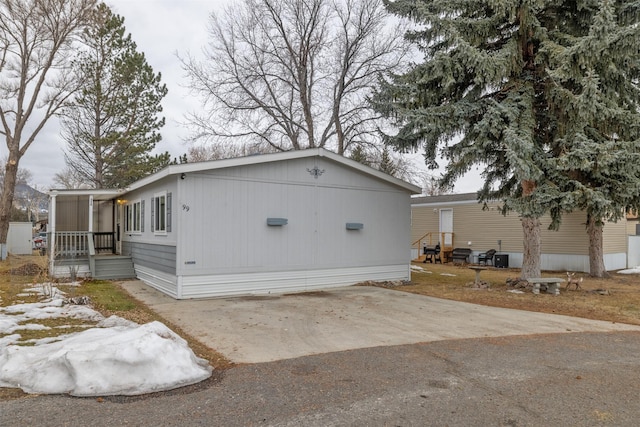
column 282, row 222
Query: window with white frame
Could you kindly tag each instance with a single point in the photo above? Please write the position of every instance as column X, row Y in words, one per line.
column 133, row 217
column 160, row 214
column 137, row 214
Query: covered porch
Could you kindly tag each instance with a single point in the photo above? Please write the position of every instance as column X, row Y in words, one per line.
column 83, row 239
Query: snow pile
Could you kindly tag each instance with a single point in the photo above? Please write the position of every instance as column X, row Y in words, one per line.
column 635, row 270
column 116, row 357
column 419, row 269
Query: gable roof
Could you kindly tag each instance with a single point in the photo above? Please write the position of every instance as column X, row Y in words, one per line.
column 269, row 158
column 240, row 161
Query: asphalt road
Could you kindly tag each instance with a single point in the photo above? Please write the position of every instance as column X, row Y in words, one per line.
column 570, row 379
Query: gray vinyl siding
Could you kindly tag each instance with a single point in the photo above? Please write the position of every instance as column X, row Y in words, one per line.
column 219, row 242
column 151, row 256
column 223, row 219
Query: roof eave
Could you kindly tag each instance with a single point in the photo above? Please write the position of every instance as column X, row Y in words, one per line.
column 266, row 158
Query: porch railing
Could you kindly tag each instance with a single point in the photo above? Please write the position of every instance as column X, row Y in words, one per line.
column 70, row 244
column 75, row 244
column 104, row 241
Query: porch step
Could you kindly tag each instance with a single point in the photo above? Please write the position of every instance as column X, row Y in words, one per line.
column 114, row 267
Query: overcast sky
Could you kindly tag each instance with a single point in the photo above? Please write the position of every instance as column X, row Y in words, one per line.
column 160, row 28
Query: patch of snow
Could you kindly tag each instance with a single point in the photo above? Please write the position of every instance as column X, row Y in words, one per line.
column 116, row 357
column 419, row 269
column 635, row 270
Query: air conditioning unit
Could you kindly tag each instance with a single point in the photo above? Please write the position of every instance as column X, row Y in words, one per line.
column 501, row 260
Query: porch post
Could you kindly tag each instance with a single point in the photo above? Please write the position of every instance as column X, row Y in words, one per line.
column 90, row 230
column 51, row 232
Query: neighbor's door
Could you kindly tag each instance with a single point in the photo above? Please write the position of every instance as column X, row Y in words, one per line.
column 446, row 227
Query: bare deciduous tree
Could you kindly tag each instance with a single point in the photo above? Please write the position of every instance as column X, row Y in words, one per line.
column 69, row 178
column 36, row 40
column 294, row 74
column 203, row 153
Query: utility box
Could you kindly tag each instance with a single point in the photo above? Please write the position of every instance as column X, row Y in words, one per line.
column 20, row 239
column 501, row 260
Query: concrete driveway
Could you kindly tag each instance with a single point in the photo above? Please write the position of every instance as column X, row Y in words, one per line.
column 263, row 329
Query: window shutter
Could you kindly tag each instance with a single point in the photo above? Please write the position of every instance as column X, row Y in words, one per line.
column 153, row 216
column 168, row 208
column 142, row 216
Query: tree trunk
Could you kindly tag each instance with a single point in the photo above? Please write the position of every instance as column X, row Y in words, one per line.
column 531, row 235
column 596, row 255
column 8, row 191
column 531, row 254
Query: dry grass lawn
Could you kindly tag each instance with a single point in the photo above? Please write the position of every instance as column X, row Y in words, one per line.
column 621, row 304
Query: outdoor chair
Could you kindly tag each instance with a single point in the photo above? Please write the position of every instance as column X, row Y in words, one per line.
column 460, row 255
column 486, row 257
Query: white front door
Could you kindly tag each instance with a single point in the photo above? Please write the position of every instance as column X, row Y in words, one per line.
column 446, row 227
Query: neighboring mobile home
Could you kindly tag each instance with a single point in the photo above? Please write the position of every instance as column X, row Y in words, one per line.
column 281, row 222
column 460, row 218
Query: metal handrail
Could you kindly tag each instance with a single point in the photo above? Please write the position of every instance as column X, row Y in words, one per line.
column 104, row 240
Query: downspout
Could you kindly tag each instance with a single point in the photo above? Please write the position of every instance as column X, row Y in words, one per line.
column 91, row 250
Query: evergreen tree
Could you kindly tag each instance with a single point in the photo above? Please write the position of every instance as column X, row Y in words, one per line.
column 507, row 85
column 360, row 155
column 595, row 163
column 113, row 123
column 386, row 163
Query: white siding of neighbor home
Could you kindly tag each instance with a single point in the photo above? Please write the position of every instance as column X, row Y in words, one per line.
column 223, row 245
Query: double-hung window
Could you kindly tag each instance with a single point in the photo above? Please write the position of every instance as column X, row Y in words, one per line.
column 133, row 217
column 161, row 212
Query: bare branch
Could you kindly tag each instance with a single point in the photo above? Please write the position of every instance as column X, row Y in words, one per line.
column 294, row 73
column 37, row 39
